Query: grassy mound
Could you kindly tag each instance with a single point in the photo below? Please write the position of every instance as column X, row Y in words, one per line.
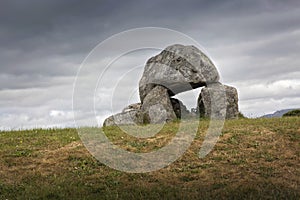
column 253, row 159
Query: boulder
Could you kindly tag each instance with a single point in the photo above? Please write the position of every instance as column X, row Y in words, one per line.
column 129, row 115
column 176, row 69
column 218, row 93
column 232, row 99
column 157, row 106
column 179, row 108
column 135, row 106
column 179, row 68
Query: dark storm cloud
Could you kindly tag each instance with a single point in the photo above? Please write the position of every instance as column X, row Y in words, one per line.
column 29, row 24
column 32, row 18
column 42, row 44
column 268, row 58
column 36, row 33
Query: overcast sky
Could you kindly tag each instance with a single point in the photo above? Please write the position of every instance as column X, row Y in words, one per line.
column 255, row 45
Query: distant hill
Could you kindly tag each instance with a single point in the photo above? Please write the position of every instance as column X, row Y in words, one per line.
column 278, row 113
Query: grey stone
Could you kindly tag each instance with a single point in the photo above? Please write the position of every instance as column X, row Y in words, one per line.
column 218, row 92
column 232, row 102
column 157, row 106
column 179, row 108
column 135, row 106
column 176, row 69
column 129, row 116
column 179, row 68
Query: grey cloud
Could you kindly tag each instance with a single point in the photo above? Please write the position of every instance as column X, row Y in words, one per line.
column 61, row 96
column 25, row 108
column 268, row 105
column 42, row 44
column 267, row 58
column 25, row 81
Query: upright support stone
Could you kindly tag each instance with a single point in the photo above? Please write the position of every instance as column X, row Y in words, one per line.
column 231, row 100
column 157, row 106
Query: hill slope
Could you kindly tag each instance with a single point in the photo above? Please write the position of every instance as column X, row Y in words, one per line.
column 278, row 113
column 253, row 159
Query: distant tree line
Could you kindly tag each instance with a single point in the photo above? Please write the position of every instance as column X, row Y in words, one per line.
column 292, row 113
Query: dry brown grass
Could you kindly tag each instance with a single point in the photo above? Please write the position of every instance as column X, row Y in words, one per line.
column 253, row 159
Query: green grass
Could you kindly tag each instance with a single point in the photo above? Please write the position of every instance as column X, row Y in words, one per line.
column 292, row 113
column 253, row 159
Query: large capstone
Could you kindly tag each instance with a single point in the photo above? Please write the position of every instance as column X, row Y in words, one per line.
column 224, row 96
column 179, row 68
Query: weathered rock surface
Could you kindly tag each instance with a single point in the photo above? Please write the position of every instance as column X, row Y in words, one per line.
column 179, row 68
column 130, row 117
column 179, row 108
column 176, row 69
column 232, row 102
column 157, row 106
column 135, row 106
column 218, row 93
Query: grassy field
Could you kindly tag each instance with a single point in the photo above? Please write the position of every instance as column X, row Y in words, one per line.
column 253, row 159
